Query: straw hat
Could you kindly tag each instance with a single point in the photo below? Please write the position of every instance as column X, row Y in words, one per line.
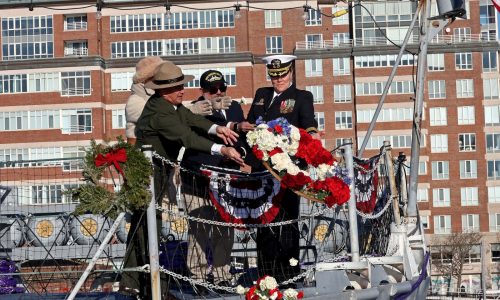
column 167, row 75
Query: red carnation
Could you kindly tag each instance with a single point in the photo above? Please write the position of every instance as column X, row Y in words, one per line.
column 279, row 294
column 278, row 129
column 295, row 182
column 258, row 153
column 275, row 151
column 300, row 295
column 251, row 294
column 339, row 191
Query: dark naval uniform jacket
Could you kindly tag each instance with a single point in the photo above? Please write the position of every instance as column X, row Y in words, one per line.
column 194, row 159
column 168, row 129
column 293, row 104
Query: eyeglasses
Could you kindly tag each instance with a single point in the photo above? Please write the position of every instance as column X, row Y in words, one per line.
column 213, row 89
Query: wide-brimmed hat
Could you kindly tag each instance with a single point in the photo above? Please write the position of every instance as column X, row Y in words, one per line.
column 145, row 68
column 167, row 75
column 211, row 78
column 278, row 65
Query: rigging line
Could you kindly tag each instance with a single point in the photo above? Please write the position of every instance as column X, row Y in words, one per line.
column 135, row 8
column 271, row 9
column 72, row 8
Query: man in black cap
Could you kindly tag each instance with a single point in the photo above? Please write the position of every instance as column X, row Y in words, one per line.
column 276, row 246
column 225, row 112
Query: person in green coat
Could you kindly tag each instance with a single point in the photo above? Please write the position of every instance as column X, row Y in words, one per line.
column 168, row 126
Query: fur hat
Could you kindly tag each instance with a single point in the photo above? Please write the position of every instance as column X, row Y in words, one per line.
column 166, row 75
column 145, row 68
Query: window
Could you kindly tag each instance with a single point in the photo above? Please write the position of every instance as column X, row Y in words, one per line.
column 76, row 120
column 397, row 141
column 399, row 114
column 75, row 22
column 314, row 41
column 382, row 61
column 29, row 37
column 14, row 120
column 440, row 170
column 43, row 82
column 492, row 115
column 401, row 87
column 438, row 116
column 437, row 89
column 118, row 118
column 470, row 223
column 341, row 66
column 341, row 39
column 469, row 196
column 466, row 115
column 422, row 167
column 442, row 224
column 467, row 142
column 465, row 88
column 342, row 93
column 462, row 34
column 313, row 17
column 45, row 194
column 73, row 152
column 441, row 197
column 468, row 169
column 495, row 252
column 314, row 67
column 494, row 194
column 422, row 195
column 493, row 142
column 320, row 118
column 493, row 169
column 439, row 143
column 11, row 84
column 121, row 81
column 425, row 221
column 76, row 48
column 490, row 61
column 475, row 251
column 274, row 44
column 435, row 62
column 463, row 61
column 75, row 83
column 317, row 91
column 272, row 18
column 343, row 120
column 490, row 88
column 494, row 222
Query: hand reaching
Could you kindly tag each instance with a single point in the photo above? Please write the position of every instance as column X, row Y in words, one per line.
column 244, row 126
column 232, row 154
column 202, row 107
column 227, row 135
column 221, row 102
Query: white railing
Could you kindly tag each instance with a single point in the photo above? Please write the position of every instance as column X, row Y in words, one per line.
column 76, row 52
column 440, row 39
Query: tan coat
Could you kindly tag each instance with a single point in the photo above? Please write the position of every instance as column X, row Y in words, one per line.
column 135, row 104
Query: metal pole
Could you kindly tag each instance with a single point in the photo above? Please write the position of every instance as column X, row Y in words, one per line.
column 392, row 182
column 418, row 108
column 388, row 84
column 96, row 257
column 154, row 258
column 484, row 268
column 353, row 219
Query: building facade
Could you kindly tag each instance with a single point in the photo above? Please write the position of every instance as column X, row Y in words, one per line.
column 66, row 70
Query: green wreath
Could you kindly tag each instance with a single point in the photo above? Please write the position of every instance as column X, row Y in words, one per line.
column 129, row 163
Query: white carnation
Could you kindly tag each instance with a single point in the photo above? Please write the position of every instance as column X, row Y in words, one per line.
column 269, row 283
column 290, row 294
column 240, row 290
column 293, row 262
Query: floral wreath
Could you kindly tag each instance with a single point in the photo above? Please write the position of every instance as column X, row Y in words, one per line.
column 299, row 161
column 122, row 160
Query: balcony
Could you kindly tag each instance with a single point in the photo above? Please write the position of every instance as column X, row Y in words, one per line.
column 76, row 52
column 377, row 41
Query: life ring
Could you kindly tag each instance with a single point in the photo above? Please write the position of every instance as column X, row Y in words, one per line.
column 47, row 231
column 12, row 233
column 123, row 228
column 88, row 228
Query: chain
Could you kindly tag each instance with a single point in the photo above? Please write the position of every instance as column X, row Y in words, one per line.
column 197, row 282
column 377, row 215
column 239, row 225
